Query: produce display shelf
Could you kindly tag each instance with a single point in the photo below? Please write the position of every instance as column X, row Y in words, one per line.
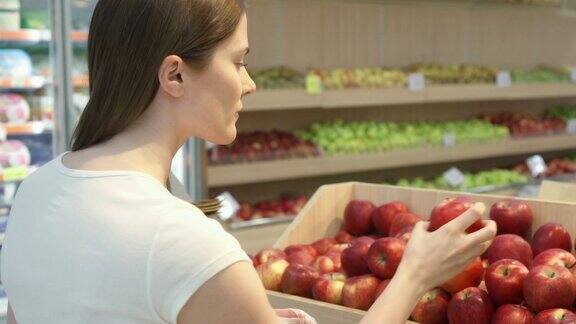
column 261, row 221
column 28, row 83
column 36, row 36
column 264, row 100
column 29, row 128
column 255, row 172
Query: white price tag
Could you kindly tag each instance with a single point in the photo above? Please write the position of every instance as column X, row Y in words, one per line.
column 449, row 139
column 503, row 79
column 416, row 82
column 571, row 126
column 229, row 206
column 573, row 74
column 537, row 165
column 454, row 177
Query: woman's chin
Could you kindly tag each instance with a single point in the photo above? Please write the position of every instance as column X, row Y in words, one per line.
column 226, row 138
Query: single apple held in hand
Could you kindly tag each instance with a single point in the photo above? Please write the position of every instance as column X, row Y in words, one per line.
column 551, row 236
column 512, row 314
column 382, row 216
column 271, row 273
column 268, row 254
column 384, row 256
column 405, row 234
column 505, row 280
column 358, row 217
column 555, row 316
column 471, row 306
column 432, row 308
column 401, row 221
column 328, row 288
column 360, row 292
column 556, row 257
column 449, row 209
column 298, row 280
column 548, row 287
column 509, row 246
column 512, row 217
column 470, row 277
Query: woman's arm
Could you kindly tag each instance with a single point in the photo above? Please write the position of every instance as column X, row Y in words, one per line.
column 430, row 259
column 11, row 319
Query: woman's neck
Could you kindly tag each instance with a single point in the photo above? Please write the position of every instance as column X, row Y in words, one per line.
column 148, row 146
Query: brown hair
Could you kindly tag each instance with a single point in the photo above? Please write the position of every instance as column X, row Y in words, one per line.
column 128, row 42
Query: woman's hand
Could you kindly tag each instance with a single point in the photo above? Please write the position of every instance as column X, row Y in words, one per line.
column 433, row 258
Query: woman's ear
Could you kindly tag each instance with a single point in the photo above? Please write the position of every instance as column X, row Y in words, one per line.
column 170, row 76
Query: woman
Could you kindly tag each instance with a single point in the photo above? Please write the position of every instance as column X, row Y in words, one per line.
column 95, row 236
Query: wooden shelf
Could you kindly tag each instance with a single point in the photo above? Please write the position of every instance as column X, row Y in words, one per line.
column 299, row 99
column 236, row 174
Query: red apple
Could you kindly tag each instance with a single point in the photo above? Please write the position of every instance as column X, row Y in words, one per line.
column 382, row 216
column 471, row 306
column 548, row 287
column 509, row 246
column 268, row 254
column 384, row 256
column 322, row 246
column 555, row 316
column 382, row 286
column 353, row 260
column 300, row 257
column 432, row 308
column 449, row 209
column 512, row 314
column 550, row 236
column 328, row 288
column 301, row 247
column 298, row 280
column 360, row 292
column 470, row 277
column 271, row 273
column 245, row 211
column 402, row 221
column 324, row 264
column 504, row 281
column 363, row 240
column 336, row 258
column 357, row 217
column 344, row 237
column 556, row 257
column 512, row 217
column 338, row 248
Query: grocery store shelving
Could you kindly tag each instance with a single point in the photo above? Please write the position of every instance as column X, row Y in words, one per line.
column 28, row 128
column 256, row 172
column 264, row 100
column 36, row 36
column 28, row 83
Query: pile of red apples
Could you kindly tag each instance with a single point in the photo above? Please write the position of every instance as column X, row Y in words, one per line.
column 518, row 280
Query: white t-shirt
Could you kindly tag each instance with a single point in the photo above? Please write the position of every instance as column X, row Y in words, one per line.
column 107, row 247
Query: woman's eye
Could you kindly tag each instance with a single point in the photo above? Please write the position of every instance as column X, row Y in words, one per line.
column 242, row 64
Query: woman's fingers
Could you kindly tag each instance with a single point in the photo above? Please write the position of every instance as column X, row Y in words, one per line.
column 487, row 233
column 468, row 218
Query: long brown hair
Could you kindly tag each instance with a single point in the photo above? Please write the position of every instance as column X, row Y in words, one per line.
column 128, row 42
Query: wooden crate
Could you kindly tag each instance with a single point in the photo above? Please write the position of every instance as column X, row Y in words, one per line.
column 322, row 217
